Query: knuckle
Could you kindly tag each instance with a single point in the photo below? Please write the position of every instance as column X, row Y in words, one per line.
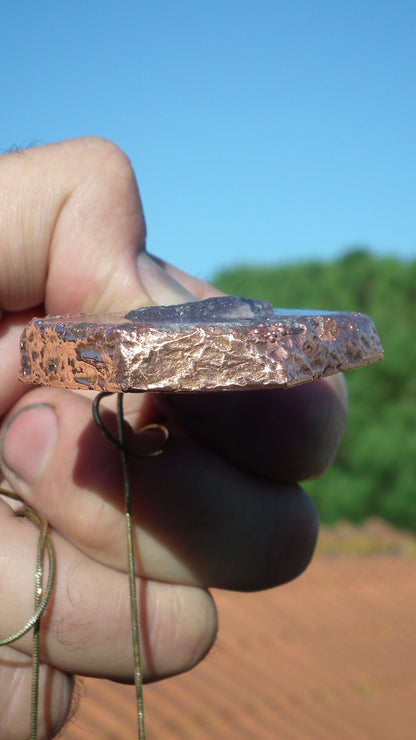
column 107, row 155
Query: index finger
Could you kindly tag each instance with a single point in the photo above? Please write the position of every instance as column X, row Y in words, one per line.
column 71, row 227
column 72, row 238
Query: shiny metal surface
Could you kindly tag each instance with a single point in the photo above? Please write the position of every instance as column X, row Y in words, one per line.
column 218, row 344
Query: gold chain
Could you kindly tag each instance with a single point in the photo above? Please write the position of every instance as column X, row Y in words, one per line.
column 42, row 597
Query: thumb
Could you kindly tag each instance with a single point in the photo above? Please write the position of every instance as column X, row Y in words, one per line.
column 72, row 238
column 72, row 230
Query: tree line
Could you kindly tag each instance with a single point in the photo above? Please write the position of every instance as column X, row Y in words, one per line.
column 374, row 473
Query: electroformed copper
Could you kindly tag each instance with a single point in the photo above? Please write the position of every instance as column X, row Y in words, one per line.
column 223, row 343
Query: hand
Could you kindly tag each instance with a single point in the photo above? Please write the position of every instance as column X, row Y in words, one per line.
column 220, row 507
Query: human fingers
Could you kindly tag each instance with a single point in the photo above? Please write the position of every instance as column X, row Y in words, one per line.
column 11, row 327
column 72, row 238
column 199, row 519
column 55, row 693
column 284, row 435
column 72, row 228
column 86, row 628
column 196, row 286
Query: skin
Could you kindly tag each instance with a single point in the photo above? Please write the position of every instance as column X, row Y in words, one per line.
column 221, row 507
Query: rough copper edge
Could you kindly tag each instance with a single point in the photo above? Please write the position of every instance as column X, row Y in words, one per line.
column 111, row 353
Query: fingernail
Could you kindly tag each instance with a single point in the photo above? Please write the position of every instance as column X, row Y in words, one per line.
column 161, row 287
column 28, row 440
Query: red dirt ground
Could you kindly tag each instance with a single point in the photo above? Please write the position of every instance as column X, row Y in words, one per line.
column 330, row 656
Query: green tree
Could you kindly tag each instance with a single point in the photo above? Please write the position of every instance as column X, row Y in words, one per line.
column 375, row 470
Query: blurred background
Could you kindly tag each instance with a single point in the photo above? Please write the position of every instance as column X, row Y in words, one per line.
column 275, row 148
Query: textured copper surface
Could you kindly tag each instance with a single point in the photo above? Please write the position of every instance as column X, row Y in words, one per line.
column 220, row 343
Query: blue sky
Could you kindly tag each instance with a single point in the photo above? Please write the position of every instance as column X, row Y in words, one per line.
column 260, row 131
